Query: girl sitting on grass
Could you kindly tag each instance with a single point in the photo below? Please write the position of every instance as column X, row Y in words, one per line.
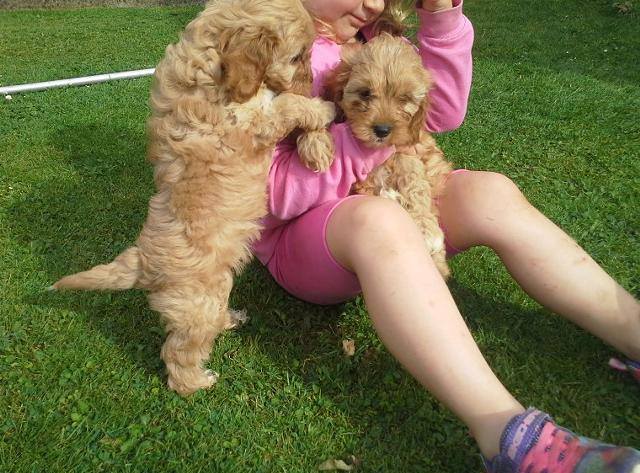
column 325, row 246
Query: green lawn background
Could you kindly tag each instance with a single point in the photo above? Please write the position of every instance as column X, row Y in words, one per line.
column 554, row 106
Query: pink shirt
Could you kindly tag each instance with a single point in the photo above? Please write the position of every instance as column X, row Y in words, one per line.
column 444, row 42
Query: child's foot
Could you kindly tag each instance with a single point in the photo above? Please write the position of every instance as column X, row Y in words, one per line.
column 533, row 443
column 633, row 367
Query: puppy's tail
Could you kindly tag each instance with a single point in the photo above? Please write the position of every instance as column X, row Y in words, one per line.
column 122, row 273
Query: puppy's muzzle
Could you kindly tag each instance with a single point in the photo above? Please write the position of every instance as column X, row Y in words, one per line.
column 382, row 130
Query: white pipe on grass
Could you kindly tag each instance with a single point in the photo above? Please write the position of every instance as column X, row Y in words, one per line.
column 12, row 89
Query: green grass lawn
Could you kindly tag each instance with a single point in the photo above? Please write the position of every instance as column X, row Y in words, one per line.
column 554, row 105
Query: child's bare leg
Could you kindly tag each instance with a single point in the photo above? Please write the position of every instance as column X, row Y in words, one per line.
column 481, row 208
column 415, row 315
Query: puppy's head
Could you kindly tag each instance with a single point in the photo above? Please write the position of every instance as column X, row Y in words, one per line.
column 382, row 88
column 264, row 41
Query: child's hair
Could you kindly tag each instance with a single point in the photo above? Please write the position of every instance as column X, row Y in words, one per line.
column 391, row 19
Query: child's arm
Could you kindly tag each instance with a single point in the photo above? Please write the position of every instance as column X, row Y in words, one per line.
column 445, row 39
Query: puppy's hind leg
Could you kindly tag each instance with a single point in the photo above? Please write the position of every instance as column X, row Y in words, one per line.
column 434, row 238
column 193, row 319
column 440, row 259
column 236, row 318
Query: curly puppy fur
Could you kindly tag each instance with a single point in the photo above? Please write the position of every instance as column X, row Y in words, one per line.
column 382, row 90
column 215, row 121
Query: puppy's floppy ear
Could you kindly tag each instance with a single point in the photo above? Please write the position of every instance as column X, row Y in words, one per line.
column 245, row 55
column 417, row 123
column 418, row 120
column 336, row 79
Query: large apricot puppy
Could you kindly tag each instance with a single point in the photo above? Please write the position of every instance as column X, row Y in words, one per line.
column 382, row 89
column 221, row 99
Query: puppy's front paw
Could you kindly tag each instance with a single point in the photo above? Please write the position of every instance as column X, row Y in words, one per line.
column 315, row 149
column 327, row 112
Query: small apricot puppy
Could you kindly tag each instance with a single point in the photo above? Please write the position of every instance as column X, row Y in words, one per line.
column 222, row 97
column 382, row 89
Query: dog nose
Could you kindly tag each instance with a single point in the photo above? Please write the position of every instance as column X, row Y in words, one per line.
column 382, row 131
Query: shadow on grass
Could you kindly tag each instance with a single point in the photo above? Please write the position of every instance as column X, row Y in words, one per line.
column 73, row 224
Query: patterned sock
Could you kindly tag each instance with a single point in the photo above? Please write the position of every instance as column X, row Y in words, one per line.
column 533, row 443
column 633, row 367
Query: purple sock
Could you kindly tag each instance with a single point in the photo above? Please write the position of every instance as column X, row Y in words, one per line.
column 533, row 443
column 520, row 434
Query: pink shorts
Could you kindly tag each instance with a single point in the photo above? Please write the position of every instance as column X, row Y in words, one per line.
column 303, row 265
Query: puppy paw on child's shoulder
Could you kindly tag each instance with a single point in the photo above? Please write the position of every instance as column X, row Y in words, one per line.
column 315, row 149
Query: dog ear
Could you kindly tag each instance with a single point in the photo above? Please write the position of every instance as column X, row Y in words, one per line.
column 417, row 123
column 336, row 79
column 303, row 77
column 245, row 56
column 418, row 120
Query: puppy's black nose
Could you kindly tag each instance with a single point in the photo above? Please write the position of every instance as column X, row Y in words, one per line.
column 382, row 131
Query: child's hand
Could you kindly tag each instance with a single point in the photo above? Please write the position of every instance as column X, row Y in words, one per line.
column 436, row 5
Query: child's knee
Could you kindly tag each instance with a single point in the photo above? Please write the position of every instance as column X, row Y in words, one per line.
column 494, row 193
column 381, row 219
column 477, row 206
column 368, row 221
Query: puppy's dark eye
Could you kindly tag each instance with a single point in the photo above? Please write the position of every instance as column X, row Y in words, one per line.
column 297, row 58
column 364, row 94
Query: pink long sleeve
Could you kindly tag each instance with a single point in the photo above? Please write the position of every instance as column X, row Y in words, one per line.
column 445, row 39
